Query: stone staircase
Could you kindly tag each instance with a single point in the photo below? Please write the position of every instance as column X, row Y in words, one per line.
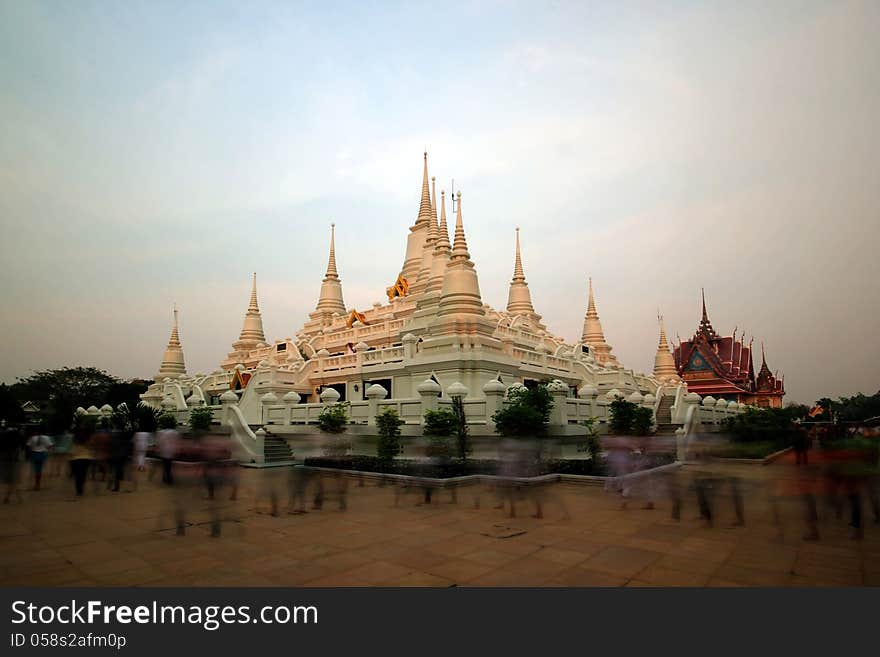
column 276, row 449
column 664, row 416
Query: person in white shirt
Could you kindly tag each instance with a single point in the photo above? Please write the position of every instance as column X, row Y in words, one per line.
column 40, row 445
column 140, row 443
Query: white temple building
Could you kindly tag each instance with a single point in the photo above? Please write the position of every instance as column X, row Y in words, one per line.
column 433, row 338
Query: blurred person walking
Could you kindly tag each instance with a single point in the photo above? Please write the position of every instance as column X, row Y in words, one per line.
column 61, row 455
column 40, row 445
column 10, row 456
column 120, row 450
column 169, row 441
column 80, row 460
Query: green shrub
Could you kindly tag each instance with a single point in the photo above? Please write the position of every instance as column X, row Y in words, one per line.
column 200, row 418
column 440, row 423
column 526, row 414
column 623, row 416
column 167, row 421
column 333, row 418
column 140, row 417
column 762, row 425
column 388, row 424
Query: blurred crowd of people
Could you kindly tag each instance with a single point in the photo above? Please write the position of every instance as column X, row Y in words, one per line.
column 834, row 472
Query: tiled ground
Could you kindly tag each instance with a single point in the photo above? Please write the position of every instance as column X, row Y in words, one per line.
column 108, row 539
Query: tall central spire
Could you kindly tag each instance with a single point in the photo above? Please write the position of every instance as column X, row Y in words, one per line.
column 593, row 335
column 418, row 233
column 331, row 263
column 330, row 300
column 518, row 274
column 425, row 211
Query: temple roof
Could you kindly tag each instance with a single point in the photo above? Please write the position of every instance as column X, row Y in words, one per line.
column 714, row 364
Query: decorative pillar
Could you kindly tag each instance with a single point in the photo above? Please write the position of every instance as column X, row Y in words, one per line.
column 266, row 400
column 429, row 390
column 589, row 393
column 409, row 346
column 373, row 394
column 494, row 391
column 291, row 399
column 558, row 391
column 330, row 396
column 260, row 435
column 227, row 400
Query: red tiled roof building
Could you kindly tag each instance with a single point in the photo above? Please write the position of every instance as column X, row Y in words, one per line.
column 722, row 367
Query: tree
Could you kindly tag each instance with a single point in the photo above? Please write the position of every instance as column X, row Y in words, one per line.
column 643, row 420
column 623, row 416
column 462, row 437
column 526, row 414
column 58, row 392
column 761, row 425
column 388, row 424
column 10, row 407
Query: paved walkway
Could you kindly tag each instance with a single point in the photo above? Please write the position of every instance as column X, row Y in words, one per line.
column 128, row 539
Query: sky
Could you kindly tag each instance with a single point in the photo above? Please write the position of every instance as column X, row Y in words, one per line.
column 154, row 153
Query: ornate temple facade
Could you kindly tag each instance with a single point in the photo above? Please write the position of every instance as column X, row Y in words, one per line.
column 722, row 367
column 432, row 338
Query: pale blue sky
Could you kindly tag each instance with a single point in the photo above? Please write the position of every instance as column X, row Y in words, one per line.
column 159, row 152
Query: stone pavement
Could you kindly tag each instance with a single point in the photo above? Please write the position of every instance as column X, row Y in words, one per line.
column 128, row 538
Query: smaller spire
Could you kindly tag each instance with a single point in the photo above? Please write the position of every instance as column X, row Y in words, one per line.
column 433, row 230
column 174, row 340
column 331, row 264
column 663, row 342
column 173, row 364
column 252, row 328
column 518, row 274
column 705, row 325
column 591, row 303
column 664, row 362
column 519, row 299
column 443, row 237
column 459, row 247
column 253, row 307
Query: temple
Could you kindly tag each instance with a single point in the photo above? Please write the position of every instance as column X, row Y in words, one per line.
column 435, row 337
column 722, row 367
